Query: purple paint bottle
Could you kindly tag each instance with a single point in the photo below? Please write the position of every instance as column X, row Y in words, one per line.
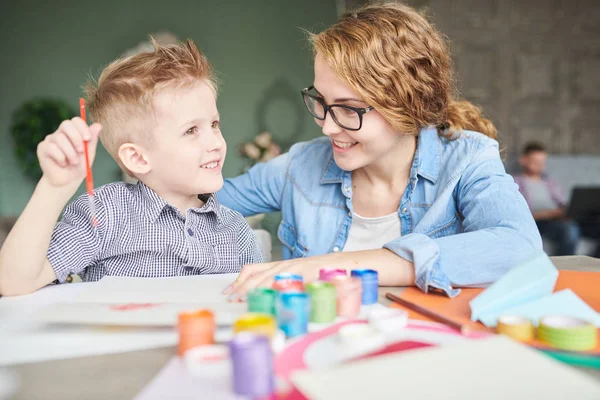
column 252, row 360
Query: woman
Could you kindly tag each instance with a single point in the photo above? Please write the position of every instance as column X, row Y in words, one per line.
column 407, row 180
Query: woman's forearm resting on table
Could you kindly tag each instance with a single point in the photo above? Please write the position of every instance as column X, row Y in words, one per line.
column 497, row 230
column 466, row 259
column 392, row 269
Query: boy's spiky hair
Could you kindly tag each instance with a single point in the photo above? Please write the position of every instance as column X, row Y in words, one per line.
column 122, row 97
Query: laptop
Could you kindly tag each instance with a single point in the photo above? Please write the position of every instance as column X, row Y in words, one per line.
column 585, row 203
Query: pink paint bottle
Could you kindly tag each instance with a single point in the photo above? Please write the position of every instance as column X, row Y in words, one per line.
column 349, row 295
column 327, row 274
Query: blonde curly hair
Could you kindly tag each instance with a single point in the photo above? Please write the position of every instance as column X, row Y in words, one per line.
column 399, row 63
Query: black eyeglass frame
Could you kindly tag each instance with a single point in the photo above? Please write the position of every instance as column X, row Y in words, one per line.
column 360, row 111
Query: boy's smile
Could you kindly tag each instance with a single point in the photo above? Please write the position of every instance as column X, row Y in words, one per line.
column 187, row 154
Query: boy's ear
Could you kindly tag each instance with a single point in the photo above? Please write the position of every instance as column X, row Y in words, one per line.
column 134, row 159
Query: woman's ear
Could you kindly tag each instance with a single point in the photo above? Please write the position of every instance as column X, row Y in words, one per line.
column 134, row 158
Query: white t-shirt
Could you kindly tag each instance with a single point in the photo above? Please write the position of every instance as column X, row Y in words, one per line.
column 372, row 233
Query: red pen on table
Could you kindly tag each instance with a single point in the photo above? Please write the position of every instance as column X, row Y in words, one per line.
column 89, row 179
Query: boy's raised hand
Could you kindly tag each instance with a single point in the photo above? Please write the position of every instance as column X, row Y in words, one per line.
column 62, row 155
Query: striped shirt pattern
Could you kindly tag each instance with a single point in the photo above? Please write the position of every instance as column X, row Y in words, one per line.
column 140, row 235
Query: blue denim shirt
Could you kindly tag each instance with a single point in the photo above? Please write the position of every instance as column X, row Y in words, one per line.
column 464, row 222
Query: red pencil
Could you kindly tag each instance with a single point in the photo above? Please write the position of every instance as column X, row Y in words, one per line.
column 464, row 329
column 89, row 179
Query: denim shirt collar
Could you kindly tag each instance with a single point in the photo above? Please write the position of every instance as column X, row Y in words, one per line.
column 428, row 155
column 425, row 164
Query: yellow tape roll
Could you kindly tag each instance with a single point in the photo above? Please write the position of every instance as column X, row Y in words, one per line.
column 518, row 328
column 567, row 333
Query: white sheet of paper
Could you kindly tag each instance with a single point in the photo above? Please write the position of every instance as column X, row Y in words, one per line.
column 18, row 308
column 175, row 382
column 50, row 342
column 526, row 282
column 495, row 368
column 125, row 301
column 178, row 289
column 26, row 338
column 134, row 314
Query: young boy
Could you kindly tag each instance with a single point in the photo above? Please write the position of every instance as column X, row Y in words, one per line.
column 156, row 114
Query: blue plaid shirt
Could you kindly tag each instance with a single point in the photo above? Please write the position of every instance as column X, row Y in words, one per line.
column 139, row 234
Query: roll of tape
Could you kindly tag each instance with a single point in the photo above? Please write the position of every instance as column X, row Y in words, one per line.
column 518, row 328
column 567, row 333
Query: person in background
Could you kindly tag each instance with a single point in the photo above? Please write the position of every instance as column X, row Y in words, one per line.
column 546, row 200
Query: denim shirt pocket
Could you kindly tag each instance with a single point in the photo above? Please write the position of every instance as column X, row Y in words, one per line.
column 448, row 228
column 289, row 237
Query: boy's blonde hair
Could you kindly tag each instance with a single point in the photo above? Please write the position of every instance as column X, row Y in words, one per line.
column 122, row 98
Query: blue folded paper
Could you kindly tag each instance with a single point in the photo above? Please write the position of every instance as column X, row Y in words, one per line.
column 526, row 291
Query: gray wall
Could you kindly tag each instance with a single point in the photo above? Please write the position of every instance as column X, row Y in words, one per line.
column 534, row 66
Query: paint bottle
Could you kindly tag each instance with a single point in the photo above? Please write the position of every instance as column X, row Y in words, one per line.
column 370, row 284
column 293, row 311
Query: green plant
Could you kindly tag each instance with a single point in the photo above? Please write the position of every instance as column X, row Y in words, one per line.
column 32, row 121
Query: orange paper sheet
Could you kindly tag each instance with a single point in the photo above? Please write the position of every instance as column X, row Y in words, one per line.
column 585, row 284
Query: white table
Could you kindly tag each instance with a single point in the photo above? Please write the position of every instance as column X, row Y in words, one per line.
column 122, row 376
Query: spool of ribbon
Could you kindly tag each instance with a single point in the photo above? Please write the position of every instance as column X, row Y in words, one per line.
column 518, row 328
column 567, row 333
